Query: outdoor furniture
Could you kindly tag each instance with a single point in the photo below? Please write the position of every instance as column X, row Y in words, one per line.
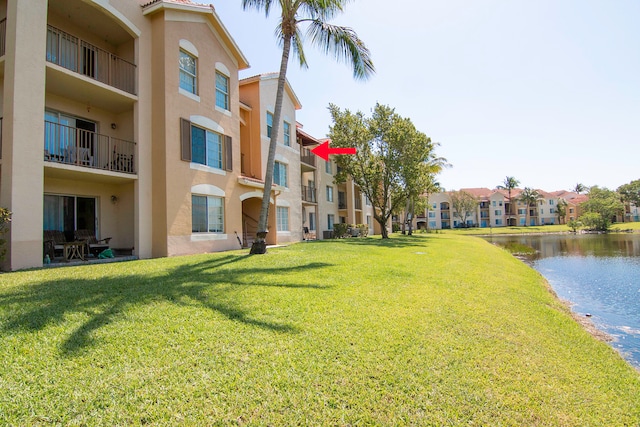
column 53, row 242
column 92, row 244
column 74, row 250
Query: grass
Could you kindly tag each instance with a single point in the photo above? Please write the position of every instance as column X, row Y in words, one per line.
column 556, row 228
column 423, row 330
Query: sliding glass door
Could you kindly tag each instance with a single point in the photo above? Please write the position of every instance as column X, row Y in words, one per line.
column 69, row 213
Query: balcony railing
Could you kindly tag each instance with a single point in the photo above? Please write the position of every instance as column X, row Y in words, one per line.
column 3, row 36
column 79, row 147
column 309, row 194
column 358, row 203
column 74, row 54
column 306, row 156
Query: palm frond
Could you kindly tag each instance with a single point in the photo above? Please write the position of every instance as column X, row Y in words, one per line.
column 258, row 5
column 344, row 44
column 322, row 10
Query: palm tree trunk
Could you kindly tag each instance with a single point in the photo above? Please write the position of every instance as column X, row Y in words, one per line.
column 260, row 245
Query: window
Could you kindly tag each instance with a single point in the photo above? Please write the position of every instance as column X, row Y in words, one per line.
column 551, row 202
column 500, row 203
column 282, row 218
column 432, row 224
column 369, row 221
column 287, row 134
column 432, row 214
column 207, row 214
column 367, row 201
column 206, row 147
column 188, row 76
column 494, row 203
column 497, row 212
column 327, row 166
column 541, row 211
column 522, row 211
column 312, row 220
column 552, row 211
column 222, row 91
column 329, row 193
column 330, row 221
column 498, row 222
column 199, row 145
column 280, row 174
column 269, row 123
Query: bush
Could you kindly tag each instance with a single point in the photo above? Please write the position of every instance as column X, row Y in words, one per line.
column 5, row 219
column 340, row 230
column 363, row 230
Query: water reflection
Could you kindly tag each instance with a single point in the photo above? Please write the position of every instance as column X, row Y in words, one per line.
column 598, row 274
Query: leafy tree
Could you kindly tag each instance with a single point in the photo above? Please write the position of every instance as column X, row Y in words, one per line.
column 530, row 198
column 574, row 225
column 601, row 208
column 393, row 159
column 630, row 193
column 342, row 41
column 509, row 184
column 464, row 204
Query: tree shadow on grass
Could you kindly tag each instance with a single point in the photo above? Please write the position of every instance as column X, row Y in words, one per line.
column 210, row 284
column 394, row 241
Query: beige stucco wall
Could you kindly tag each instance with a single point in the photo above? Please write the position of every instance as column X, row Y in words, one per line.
column 179, row 177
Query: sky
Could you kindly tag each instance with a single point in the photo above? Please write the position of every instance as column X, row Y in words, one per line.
column 546, row 91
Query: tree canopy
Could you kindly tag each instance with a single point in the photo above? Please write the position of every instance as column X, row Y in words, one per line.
column 393, row 161
column 601, row 208
column 464, row 204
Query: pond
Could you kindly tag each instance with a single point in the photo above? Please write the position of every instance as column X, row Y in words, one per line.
column 599, row 274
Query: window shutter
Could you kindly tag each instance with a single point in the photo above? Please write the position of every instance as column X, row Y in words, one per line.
column 185, row 139
column 228, row 153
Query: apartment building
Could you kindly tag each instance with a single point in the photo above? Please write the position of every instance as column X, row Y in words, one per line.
column 257, row 96
column 127, row 119
column 494, row 209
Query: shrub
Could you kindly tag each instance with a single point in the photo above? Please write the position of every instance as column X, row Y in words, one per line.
column 340, row 230
column 5, row 219
column 363, row 230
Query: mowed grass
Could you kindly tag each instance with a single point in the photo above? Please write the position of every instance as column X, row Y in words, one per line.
column 423, row 330
column 554, row 228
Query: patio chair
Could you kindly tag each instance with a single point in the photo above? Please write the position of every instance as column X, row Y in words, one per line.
column 53, row 242
column 94, row 246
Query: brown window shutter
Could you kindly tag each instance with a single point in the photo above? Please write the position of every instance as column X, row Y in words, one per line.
column 228, row 153
column 185, row 139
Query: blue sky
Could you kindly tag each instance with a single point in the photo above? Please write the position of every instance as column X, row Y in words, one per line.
column 547, row 91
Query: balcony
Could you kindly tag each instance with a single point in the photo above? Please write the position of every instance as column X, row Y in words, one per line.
column 78, row 147
column 3, row 36
column 309, row 194
column 307, row 158
column 358, row 203
column 77, row 55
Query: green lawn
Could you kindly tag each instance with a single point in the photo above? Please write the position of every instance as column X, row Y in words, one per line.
column 434, row 329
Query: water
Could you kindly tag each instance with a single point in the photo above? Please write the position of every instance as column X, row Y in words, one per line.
column 599, row 275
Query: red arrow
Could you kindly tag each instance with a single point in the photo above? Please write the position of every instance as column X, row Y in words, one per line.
column 323, row 151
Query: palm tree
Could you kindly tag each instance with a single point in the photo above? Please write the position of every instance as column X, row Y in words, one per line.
column 509, row 184
column 580, row 188
column 343, row 42
column 530, row 198
column 561, row 210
